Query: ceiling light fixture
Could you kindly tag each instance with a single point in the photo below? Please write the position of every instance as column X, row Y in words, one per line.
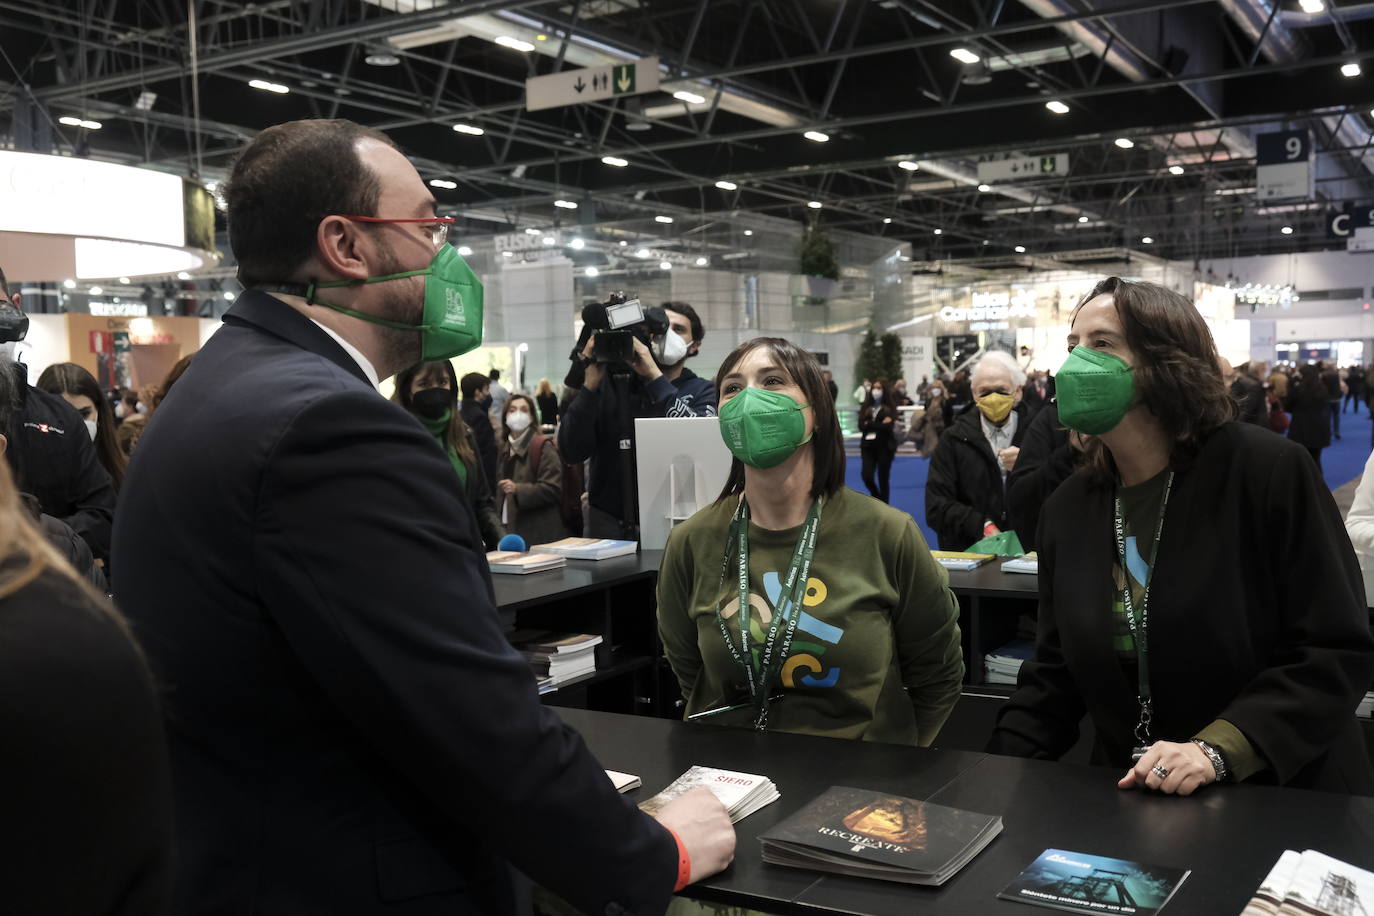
column 887, row 220
column 69, row 284
column 814, row 204
column 381, row 59
column 228, row 296
column 507, row 254
column 702, row 262
column 1020, row 249
column 641, row 252
column 514, row 44
column 183, row 275
column 443, row 183
column 265, row 86
column 984, row 188
column 591, row 272
column 549, row 240
column 665, row 265
column 615, row 161
column 964, row 56
column 727, row 185
column 80, row 122
column 1146, row 240
column 1312, row 6
column 908, row 165
column 691, row 98
column 816, row 136
column 471, row 131
column 1057, row 106
column 96, row 290
column 1287, row 230
column 464, row 250
column 566, row 204
column 1125, row 142
column 748, row 231
column 1350, row 69
column 1082, row 219
column 1175, row 170
column 577, row 244
column 663, row 219
column 530, row 230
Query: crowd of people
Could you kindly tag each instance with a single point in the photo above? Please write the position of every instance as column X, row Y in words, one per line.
column 306, row 701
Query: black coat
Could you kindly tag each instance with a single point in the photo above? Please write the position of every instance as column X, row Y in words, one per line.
column 965, row 482
column 54, row 460
column 1046, row 461
column 479, row 423
column 548, row 409
column 350, row 731
column 884, row 441
column 1257, row 616
column 1249, row 395
column 88, row 798
column 1311, row 425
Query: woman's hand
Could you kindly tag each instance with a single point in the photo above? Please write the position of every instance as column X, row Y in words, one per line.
column 506, row 486
column 1185, row 766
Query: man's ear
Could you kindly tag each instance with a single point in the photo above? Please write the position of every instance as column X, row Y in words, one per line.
column 4, row 445
column 693, row 348
column 340, row 248
column 16, row 299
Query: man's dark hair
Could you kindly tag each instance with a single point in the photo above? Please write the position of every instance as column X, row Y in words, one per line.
column 686, row 311
column 495, row 374
column 288, row 179
column 827, row 440
column 1176, row 372
column 472, row 383
column 4, row 286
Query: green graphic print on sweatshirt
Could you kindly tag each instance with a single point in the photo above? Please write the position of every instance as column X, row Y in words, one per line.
column 876, row 654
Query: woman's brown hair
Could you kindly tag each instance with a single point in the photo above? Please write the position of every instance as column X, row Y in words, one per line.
column 1176, row 373
column 827, row 441
column 69, row 378
column 456, row 433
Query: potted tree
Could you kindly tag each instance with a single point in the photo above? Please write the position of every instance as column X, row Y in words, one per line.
column 816, row 261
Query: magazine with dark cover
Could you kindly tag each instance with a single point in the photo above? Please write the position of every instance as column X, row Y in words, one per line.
column 1080, row 882
column 877, row 835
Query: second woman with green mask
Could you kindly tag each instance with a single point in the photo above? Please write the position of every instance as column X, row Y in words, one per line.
column 793, row 603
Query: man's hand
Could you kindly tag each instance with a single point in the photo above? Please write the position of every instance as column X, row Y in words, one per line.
column 506, row 486
column 594, row 372
column 1008, row 457
column 702, row 823
column 643, row 363
column 887, row 419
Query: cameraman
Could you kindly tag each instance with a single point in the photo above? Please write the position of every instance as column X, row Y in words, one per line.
column 662, row 386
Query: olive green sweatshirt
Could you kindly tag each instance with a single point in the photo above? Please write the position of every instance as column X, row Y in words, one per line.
column 876, row 653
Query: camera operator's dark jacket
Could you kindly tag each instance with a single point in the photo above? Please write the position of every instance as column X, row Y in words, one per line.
column 588, row 429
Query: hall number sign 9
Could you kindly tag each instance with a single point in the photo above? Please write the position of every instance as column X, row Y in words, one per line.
column 1282, row 147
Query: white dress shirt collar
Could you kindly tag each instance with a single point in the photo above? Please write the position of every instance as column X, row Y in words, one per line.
column 363, row 362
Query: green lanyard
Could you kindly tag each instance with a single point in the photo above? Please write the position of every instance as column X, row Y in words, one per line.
column 1140, row 625
column 762, row 668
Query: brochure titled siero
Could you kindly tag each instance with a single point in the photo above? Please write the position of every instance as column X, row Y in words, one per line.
column 1083, row 883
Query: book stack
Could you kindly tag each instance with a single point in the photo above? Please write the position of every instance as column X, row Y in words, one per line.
column 960, row 559
column 1028, row 564
column 741, row 793
column 1001, row 666
column 875, row 835
column 589, row 548
column 557, row 658
column 1310, row 882
column 1081, row 882
column 517, row 563
column 623, row 782
column 1366, row 707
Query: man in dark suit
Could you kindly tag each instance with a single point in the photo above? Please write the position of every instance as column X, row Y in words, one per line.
column 350, row 732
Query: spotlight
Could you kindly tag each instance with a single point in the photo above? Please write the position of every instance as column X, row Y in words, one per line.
column 265, row 86
column 641, row 252
column 908, row 165
column 1146, row 240
column 514, row 44
column 464, row 250
column 565, row 204
column 69, row 284
column 1020, row 249
column 814, row 204
column 1057, row 106
column 816, row 136
column 471, row 131
column 727, row 185
column 691, row 98
column 1350, row 69
column 577, row 244
column 1125, row 143
column 702, row 262
column 591, row 272
column 984, row 188
column 1175, row 170
column 964, row 56
column 887, row 220
column 665, row 265
column 443, row 183
column 1082, row 219
column 1287, row 230
column 615, row 161
column 663, row 219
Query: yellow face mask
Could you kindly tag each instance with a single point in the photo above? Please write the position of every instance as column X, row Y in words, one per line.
column 996, row 406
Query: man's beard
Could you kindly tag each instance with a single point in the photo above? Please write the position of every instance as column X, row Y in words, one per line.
column 403, row 301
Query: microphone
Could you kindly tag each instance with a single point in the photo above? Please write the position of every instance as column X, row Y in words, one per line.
column 512, row 542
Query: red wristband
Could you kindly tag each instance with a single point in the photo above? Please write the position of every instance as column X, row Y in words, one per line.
column 684, row 862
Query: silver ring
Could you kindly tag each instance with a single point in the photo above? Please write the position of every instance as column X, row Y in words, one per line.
column 1161, row 771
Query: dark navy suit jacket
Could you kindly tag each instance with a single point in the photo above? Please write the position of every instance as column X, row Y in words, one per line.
column 350, row 731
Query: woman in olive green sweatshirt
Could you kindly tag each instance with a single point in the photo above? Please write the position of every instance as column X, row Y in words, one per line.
column 852, row 628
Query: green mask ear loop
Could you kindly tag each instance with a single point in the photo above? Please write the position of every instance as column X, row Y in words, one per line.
column 363, row 316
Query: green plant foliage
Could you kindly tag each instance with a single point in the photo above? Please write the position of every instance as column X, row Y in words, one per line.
column 891, row 346
column 868, row 363
column 816, row 257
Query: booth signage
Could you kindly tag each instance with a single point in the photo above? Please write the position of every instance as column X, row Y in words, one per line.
column 591, row 84
column 992, row 307
column 1283, row 165
column 1022, row 167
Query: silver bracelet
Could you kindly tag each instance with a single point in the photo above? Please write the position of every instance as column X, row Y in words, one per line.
column 1218, row 761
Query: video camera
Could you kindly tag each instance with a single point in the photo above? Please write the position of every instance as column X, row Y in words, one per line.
column 613, row 326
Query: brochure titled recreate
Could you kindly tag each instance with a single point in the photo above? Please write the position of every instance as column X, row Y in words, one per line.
column 1080, row 882
column 875, row 835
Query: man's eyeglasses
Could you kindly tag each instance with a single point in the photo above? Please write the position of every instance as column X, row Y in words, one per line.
column 436, row 226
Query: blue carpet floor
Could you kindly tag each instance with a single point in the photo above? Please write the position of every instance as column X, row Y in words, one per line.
column 1342, row 462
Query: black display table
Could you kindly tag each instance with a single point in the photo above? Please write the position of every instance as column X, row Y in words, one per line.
column 1228, row 835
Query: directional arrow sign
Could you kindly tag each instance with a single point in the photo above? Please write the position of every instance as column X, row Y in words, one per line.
column 591, row 84
column 1023, row 167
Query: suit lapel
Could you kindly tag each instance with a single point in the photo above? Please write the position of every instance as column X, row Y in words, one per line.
column 267, row 313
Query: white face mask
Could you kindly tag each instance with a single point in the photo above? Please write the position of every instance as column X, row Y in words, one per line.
column 877, row 395
column 670, row 349
column 518, row 421
column 91, row 427
column 119, row 411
